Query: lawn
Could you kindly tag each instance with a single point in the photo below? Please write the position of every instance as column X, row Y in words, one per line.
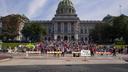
column 12, row 45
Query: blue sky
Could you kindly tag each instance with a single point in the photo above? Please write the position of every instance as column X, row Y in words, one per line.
column 45, row 9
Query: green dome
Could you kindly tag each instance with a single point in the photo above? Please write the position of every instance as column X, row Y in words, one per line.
column 65, row 7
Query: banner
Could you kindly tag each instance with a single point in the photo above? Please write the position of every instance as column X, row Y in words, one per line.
column 85, row 53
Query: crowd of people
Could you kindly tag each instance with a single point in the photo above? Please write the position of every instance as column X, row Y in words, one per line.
column 67, row 47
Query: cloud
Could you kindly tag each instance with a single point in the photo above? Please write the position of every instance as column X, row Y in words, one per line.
column 45, row 9
column 87, row 9
column 98, row 9
column 51, row 11
column 77, row 1
column 3, row 8
column 34, row 6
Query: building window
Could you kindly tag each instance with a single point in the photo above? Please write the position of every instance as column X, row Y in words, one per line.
column 70, row 10
column 85, row 31
column 52, row 29
column 49, row 31
column 62, row 10
column 59, row 28
column 65, row 27
column 81, row 31
column 72, row 28
column 73, row 38
column 82, row 39
column 86, row 38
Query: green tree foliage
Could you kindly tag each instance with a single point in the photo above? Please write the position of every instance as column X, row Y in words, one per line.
column 111, row 29
column 11, row 25
column 33, row 31
column 120, row 24
column 103, row 33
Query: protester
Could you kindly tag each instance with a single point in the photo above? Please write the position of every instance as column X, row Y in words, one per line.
column 114, row 52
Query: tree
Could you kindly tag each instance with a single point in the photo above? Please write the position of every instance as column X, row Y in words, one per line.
column 33, row 31
column 102, row 33
column 113, row 28
column 12, row 25
column 121, row 23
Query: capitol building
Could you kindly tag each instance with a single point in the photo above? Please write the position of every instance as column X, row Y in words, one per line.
column 66, row 25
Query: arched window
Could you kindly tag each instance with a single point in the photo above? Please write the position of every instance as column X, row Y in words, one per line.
column 81, row 30
column 49, row 30
column 70, row 10
column 65, row 38
column 61, row 10
column 85, row 31
column 73, row 38
column 82, row 39
column 58, row 38
column 86, row 38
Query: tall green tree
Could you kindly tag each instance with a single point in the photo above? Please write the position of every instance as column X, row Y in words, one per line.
column 120, row 24
column 111, row 29
column 33, row 31
column 102, row 33
column 12, row 24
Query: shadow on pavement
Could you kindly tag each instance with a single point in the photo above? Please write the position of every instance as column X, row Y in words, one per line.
column 67, row 68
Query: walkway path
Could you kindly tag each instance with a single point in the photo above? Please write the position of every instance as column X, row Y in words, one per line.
column 50, row 60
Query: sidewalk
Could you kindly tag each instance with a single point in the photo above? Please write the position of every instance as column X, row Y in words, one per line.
column 50, row 56
column 46, row 56
column 4, row 57
column 68, row 59
column 61, row 61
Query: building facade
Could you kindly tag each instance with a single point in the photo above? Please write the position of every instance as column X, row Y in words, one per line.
column 66, row 25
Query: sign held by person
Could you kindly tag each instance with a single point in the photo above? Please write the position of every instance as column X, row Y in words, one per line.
column 85, row 53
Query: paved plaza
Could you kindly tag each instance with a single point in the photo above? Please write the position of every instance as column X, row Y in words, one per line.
column 66, row 68
column 49, row 63
column 68, row 59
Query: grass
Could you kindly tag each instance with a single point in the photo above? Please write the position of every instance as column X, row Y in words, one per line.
column 12, row 45
column 121, row 46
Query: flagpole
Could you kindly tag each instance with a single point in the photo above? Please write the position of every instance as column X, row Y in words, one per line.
column 120, row 9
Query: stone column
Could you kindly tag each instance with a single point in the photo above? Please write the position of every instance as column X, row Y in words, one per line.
column 55, row 36
column 76, row 37
column 60, row 28
column 76, row 30
column 62, row 37
column 55, row 31
column 87, row 34
column 84, row 28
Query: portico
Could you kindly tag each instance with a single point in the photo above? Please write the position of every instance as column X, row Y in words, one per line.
column 66, row 25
